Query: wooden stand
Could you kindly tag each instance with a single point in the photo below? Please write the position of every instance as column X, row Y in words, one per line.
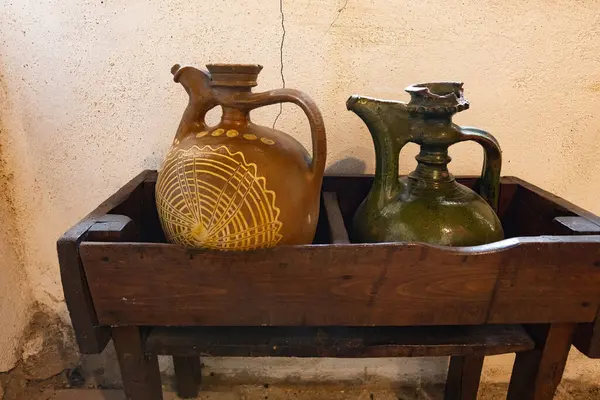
column 338, row 299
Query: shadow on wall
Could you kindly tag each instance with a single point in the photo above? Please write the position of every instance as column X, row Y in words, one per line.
column 346, row 166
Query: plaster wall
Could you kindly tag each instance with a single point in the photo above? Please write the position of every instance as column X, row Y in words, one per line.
column 15, row 294
column 91, row 100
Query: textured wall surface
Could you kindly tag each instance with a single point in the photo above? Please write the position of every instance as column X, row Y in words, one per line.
column 15, row 295
column 91, row 101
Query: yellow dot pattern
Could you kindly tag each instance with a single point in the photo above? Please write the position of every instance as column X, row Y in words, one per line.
column 232, row 133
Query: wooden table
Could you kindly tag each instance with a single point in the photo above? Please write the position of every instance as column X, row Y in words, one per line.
column 122, row 281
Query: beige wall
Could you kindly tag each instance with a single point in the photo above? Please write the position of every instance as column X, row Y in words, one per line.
column 91, row 101
column 15, row 294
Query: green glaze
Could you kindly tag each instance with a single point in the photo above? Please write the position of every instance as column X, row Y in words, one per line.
column 428, row 205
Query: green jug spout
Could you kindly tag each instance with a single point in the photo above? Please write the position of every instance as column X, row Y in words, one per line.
column 388, row 123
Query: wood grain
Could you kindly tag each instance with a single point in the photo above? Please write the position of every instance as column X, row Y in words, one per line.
column 537, row 373
column 549, row 280
column 341, row 342
column 298, row 285
column 379, row 284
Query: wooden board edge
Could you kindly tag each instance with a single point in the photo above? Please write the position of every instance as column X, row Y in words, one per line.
column 337, row 228
column 90, row 337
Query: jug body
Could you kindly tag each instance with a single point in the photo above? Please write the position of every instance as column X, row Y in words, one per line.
column 428, row 205
column 448, row 215
column 239, row 185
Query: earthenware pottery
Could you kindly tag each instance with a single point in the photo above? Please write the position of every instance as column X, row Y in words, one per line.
column 238, row 185
column 428, row 205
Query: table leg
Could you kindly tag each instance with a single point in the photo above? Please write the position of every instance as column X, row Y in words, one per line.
column 464, row 373
column 188, row 376
column 139, row 371
column 537, row 373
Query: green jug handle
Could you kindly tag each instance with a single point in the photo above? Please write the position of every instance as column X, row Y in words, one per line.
column 250, row 101
column 489, row 185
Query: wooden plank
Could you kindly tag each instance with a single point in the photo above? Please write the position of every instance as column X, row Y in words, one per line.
column 112, row 228
column 384, row 284
column 577, row 222
column 464, row 374
column 521, row 220
column 91, row 338
column 553, row 279
column 371, row 284
column 188, row 373
column 342, row 342
column 537, row 373
column 139, row 370
column 552, row 198
column 337, row 229
column 576, row 226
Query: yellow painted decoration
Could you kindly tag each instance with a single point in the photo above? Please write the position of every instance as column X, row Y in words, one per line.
column 232, row 133
column 218, row 132
column 201, row 134
column 209, row 197
column 250, row 136
column 267, row 141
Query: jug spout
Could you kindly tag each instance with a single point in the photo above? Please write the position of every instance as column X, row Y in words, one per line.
column 388, row 123
column 197, row 84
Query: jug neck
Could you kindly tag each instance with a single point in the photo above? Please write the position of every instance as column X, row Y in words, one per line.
column 233, row 116
column 432, row 167
column 228, row 80
column 434, row 134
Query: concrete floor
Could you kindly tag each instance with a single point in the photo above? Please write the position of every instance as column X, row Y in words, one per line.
column 567, row 391
column 220, row 383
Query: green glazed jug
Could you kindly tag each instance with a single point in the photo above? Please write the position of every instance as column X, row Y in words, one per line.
column 428, row 205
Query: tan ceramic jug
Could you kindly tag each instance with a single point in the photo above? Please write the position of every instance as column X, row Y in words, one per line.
column 237, row 185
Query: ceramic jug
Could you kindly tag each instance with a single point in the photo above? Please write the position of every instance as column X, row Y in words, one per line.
column 238, row 185
column 428, row 205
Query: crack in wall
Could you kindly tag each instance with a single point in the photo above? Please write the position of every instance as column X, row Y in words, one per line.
column 281, row 57
column 340, row 10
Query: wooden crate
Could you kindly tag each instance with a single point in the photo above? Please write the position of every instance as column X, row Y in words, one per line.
column 117, row 270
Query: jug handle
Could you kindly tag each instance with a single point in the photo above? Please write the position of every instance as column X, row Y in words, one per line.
column 489, row 185
column 250, row 101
